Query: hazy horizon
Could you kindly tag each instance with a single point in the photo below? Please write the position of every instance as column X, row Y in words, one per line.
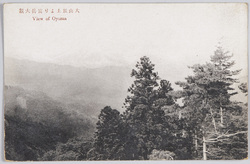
column 124, row 79
column 173, row 36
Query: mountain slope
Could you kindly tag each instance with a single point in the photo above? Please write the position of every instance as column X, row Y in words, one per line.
column 35, row 123
column 76, row 87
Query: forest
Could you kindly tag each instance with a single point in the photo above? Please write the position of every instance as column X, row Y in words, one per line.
column 206, row 125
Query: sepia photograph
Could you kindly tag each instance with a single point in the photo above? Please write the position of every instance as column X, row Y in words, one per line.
column 125, row 81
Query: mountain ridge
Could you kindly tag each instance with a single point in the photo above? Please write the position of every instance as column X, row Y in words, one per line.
column 94, row 88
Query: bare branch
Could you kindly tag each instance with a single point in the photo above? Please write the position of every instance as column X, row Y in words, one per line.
column 220, row 137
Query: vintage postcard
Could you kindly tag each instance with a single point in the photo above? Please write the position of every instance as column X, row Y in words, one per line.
column 115, row 81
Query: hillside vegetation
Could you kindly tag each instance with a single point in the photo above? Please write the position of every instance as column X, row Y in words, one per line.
column 35, row 124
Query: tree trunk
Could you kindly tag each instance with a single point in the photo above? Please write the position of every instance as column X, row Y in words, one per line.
column 196, row 142
column 204, row 149
column 179, row 115
column 221, row 116
column 212, row 115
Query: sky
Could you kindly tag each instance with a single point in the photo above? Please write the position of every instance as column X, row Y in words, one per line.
column 173, row 36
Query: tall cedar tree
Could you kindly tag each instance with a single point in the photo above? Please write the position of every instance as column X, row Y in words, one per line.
column 208, row 106
column 109, row 137
column 144, row 117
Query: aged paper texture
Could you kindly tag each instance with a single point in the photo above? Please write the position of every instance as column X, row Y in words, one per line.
column 125, row 81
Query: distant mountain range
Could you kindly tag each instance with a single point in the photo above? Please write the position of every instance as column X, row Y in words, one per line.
column 78, row 88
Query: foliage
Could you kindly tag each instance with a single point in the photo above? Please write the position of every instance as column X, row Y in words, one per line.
column 143, row 90
column 108, row 143
column 144, row 115
column 74, row 149
column 161, row 155
column 38, row 126
column 209, row 125
column 206, row 97
column 244, row 89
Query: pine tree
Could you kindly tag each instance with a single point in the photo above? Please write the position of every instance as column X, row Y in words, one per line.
column 221, row 78
column 207, row 102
